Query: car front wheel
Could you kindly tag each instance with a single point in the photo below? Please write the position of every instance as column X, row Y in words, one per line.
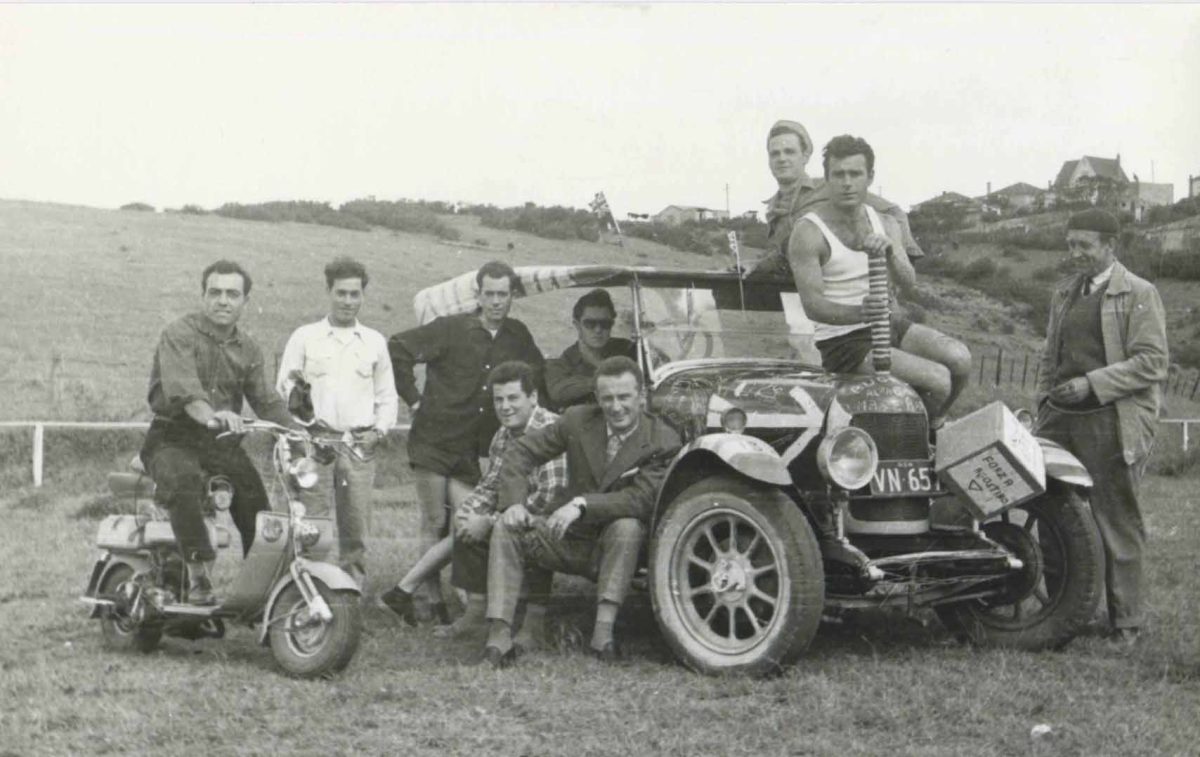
column 736, row 579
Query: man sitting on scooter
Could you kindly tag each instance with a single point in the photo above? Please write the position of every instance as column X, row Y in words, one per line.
column 204, row 369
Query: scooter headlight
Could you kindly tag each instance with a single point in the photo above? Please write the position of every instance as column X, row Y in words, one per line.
column 848, row 458
column 306, row 533
column 304, row 473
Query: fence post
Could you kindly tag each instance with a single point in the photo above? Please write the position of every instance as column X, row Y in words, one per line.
column 999, row 364
column 982, row 363
column 39, row 437
column 1185, row 436
column 1025, row 370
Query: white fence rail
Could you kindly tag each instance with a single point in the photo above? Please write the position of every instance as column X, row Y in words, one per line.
column 39, row 436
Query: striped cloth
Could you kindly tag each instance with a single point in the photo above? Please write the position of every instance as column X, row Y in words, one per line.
column 458, row 295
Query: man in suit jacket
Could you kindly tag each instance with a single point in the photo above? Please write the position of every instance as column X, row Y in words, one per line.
column 1098, row 393
column 617, row 456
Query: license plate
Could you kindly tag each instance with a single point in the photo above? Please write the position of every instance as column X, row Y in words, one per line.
column 903, row 477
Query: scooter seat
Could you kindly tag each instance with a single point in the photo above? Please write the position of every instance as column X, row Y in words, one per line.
column 158, row 532
column 134, row 485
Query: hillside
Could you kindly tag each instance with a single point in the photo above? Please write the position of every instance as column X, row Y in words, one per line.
column 90, row 289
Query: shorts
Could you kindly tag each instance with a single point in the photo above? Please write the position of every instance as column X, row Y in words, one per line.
column 845, row 353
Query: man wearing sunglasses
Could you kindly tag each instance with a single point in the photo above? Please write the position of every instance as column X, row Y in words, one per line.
column 569, row 379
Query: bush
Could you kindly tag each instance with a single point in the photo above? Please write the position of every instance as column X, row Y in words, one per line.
column 193, row 210
column 412, row 217
column 297, row 211
column 556, row 222
column 981, row 268
column 139, row 206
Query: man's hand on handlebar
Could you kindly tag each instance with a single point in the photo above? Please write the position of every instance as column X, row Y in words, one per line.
column 227, row 420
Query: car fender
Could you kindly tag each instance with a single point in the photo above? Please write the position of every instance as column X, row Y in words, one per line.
column 709, row 454
column 1063, row 466
column 330, row 575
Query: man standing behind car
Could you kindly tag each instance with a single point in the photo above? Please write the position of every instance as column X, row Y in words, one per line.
column 569, row 377
column 453, row 421
column 1098, row 395
column 205, row 368
column 349, row 374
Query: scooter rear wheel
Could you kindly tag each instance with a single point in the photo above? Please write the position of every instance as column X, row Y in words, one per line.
column 123, row 632
column 307, row 647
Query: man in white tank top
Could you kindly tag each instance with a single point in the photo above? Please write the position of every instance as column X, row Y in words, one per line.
column 828, row 252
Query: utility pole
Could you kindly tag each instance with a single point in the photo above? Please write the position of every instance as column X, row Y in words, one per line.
column 726, row 199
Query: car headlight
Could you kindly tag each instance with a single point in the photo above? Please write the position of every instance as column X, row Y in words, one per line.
column 848, row 457
column 733, row 420
column 304, row 473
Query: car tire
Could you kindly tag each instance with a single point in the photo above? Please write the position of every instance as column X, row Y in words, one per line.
column 1047, row 608
column 736, row 578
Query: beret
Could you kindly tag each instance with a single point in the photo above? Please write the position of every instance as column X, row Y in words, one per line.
column 1094, row 219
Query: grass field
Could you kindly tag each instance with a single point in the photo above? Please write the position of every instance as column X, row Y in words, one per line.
column 872, row 684
column 95, row 288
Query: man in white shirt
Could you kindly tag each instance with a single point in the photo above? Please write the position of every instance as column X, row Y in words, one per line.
column 349, row 371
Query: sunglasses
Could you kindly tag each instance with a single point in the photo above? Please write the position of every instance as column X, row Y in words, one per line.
column 594, row 324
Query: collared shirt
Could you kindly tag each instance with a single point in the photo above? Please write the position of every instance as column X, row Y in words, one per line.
column 455, row 420
column 546, row 483
column 193, row 362
column 350, row 373
column 615, row 439
column 570, row 378
column 1101, row 278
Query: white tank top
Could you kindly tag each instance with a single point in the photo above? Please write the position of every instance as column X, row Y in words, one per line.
column 844, row 275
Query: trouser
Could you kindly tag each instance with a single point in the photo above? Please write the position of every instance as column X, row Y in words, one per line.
column 437, row 496
column 179, row 456
column 469, row 572
column 609, row 558
column 1094, row 438
column 347, row 485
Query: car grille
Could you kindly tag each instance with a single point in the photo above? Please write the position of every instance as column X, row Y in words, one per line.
column 897, row 436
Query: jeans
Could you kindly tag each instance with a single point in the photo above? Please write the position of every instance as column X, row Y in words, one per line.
column 180, row 455
column 346, row 484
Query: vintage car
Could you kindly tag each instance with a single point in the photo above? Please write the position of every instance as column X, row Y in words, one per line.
column 799, row 491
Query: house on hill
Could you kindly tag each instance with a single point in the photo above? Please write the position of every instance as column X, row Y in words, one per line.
column 956, row 208
column 677, row 214
column 1193, row 186
column 1140, row 195
column 1019, row 196
column 1102, row 181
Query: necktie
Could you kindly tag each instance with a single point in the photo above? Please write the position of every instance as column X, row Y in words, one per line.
column 611, row 447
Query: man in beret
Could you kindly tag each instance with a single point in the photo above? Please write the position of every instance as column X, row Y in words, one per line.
column 788, row 150
column 1098, row 395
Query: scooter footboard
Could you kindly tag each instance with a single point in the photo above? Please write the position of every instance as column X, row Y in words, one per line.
column 330, row 575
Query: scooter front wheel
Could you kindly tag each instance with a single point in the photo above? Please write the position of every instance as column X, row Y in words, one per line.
column 122, row 631
column 306, row 646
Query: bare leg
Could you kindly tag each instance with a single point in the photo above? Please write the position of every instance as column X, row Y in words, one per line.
column 429, row 564
column 928, row 343
column 930, row 379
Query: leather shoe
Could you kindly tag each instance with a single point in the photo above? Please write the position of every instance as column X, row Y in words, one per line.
column 1125, row 637
column 608, row 654
column 495, row 659
column 400, row 602
column 200, row 592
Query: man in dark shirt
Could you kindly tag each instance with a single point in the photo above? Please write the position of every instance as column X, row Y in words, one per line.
column 569, row 379
column 453, row 421
column 204, row 369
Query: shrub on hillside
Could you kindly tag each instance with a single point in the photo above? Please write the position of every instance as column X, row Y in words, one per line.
column 193, row 210
column 556, row 222
column 295, row 211
column 415, row 218
column 139, row 206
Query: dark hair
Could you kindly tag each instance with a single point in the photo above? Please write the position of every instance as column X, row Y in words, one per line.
column 226, row 267
column 345, row 268
column 498, row 269
column 618, row 365
column 510, row 371
column 845, row 146
column 597, row 298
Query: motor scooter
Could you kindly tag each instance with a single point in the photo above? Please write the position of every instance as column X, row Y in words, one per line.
column 306, row 608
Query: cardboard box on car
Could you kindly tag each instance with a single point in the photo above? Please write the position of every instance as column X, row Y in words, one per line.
column 990, row 460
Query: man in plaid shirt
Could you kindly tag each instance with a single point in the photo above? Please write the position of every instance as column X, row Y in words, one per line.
column 515, row 399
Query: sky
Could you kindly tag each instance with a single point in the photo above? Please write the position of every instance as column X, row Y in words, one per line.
column 654, row 104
